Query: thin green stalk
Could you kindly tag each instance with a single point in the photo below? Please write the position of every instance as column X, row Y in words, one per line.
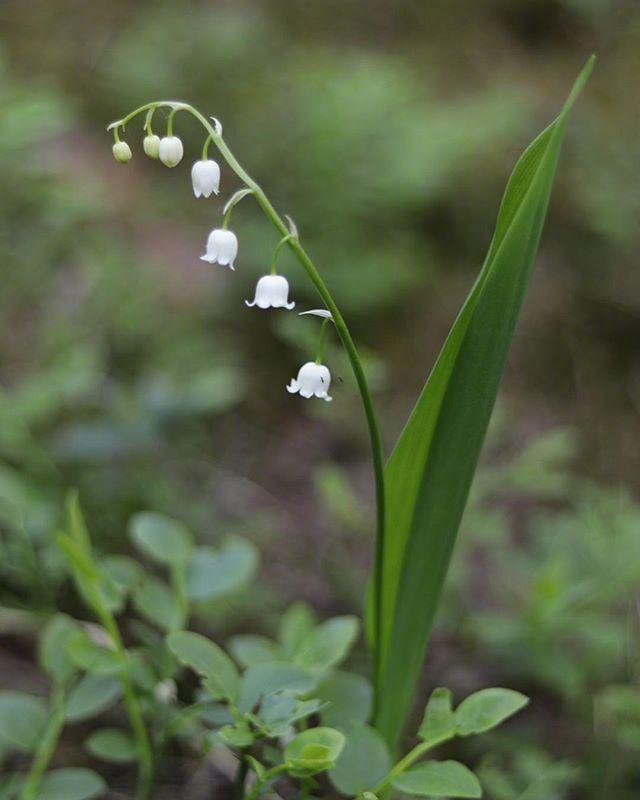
column 132, row 707
column 343, row 332
column 352, row 353
column 321, row 340
column 47, row 744
column 269, row 775
column 411, row 757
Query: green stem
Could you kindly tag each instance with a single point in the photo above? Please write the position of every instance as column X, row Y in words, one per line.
column 132, row 707
column 323, row 335
column 347, row 342
column 261, row 782
column 356, row 365
column 411, row 757
column 277, row 249
column 205, row 148
column 46, row 745
column 241, row 777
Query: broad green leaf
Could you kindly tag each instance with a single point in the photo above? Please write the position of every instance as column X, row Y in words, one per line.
column 54, row 644
column 209, row 660
column 328, row 644
column 439, row 722
column 214, row 573
column 363, row 762
column 430, row 470
column 349, row 699
column 155, row 601
column 90, row 696
column 261, row 680
column 111, row 744
column 487, row 708
column 22, row 720
column 439, row 779
column 248, row 649
column 162, row 539
column 312, row 751
column 71, row 784
column 297, row 622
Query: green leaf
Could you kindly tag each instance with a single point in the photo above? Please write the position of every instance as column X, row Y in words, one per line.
column 92, row 657
column 430, row 470
column 155, row 601
column 349, row 699
column 438, row 723
column 215, row 573
column 207, row 659
column 312, row 751
column 54, row 644
column 111, row 744
column 162, row 539
column 363, row 762
column 486, row 709
column 238, row 735
column 439, row 779
column 328, row 644
column 261, row 680
column 22, row 720
column 92, row 695
column 248, row 649
column 71, row 784
column 125, row 573
column 296, row 624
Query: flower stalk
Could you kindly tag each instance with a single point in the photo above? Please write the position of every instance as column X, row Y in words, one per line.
column 214, row 133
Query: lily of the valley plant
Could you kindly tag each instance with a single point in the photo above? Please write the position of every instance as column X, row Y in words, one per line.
column 282, row 706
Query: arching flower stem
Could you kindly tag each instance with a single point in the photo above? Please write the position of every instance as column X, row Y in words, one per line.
column 278, row 248
column 342, row 330
column 205, row 148
column 322, row 338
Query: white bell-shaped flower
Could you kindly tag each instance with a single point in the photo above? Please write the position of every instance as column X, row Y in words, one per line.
column 205, row 176
column 170, row 151
column 272, row 291
column 222, row 248
column 313, row 380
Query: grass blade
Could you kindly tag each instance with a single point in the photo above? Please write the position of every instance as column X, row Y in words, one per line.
column 430, row 470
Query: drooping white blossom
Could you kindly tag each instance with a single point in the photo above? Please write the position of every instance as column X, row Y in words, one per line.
column 222, row 248
column 121, row 152
column 205, row 176
column 151, row 145
column 272, row 291
column 170, row 150
column 313, row 380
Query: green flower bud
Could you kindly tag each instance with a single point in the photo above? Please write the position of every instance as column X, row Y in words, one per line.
column 151, row 145
column 121, row 152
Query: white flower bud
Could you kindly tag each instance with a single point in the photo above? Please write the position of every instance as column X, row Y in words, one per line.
column 313, row 380
column 151, row 145
column 272, row 291
column 222, row 248
column 170, row 151
column 121, row 152
column 205, row 176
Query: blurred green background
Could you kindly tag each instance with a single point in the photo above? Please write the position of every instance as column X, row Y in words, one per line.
column 132, row 370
